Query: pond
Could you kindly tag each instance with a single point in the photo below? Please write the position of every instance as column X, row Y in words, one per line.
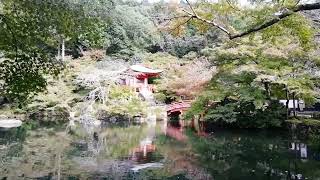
column 154, row 151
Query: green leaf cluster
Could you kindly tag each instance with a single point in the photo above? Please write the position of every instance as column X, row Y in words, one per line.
column 30, row 32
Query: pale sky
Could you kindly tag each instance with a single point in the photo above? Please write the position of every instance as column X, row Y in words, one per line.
column 241, row 2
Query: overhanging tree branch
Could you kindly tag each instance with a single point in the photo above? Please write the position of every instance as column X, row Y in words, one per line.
column 194, row 15
column 277, row 18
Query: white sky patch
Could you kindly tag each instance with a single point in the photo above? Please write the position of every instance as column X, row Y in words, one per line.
column 241, row 2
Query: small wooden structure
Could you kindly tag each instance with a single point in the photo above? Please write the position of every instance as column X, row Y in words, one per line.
column 299, row 104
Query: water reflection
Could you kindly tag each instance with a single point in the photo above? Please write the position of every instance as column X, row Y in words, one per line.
column 143, row 153
column 257, row 156
column 300, row 148
column 154, row 151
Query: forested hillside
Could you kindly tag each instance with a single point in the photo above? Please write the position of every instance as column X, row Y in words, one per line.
column 160, row 89
column 221, row 52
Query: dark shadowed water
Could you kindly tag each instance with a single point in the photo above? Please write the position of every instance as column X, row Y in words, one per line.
column 154, row 152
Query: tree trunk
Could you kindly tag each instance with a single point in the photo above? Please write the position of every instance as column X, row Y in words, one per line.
column 62, row 49
column 267, row 88
column 294, row 104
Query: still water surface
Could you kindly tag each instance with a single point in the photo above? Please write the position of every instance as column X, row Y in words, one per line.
column 154, row 151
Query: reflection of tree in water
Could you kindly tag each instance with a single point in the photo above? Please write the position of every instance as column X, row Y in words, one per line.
column 83, row 154
column 139, row 146
column 180, row 159
column 40, row 155
column 11, row 144
column 253, row 156
column 112, row 153
column 94, row 143
column 114, row 148
column 85, row 142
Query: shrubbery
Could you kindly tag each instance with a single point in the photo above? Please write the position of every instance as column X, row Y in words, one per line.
column 123, row 100
column 130, row 31
column 244, row 114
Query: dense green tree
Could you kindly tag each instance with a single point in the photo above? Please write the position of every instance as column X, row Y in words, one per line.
column 30, row 34
column 130, row 31
column 276, row 63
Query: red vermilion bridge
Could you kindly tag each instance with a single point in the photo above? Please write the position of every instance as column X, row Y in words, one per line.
column 178, row 107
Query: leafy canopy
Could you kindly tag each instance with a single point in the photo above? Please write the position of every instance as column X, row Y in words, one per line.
column 29, row 35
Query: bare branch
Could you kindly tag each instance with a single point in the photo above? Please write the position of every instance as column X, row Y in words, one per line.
column 306, row 7
column 279, row 17
column 298, row 1
column 191, row 7
column 213, row 23
column 231, row 5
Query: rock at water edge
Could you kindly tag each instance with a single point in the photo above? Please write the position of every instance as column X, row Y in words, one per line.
column 10, row 123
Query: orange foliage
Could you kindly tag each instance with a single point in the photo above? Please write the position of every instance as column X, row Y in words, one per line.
column 191, row 78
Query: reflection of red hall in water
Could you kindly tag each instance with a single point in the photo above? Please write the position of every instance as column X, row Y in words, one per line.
column 142, row 154
column 145, row 148
column 176, row 133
